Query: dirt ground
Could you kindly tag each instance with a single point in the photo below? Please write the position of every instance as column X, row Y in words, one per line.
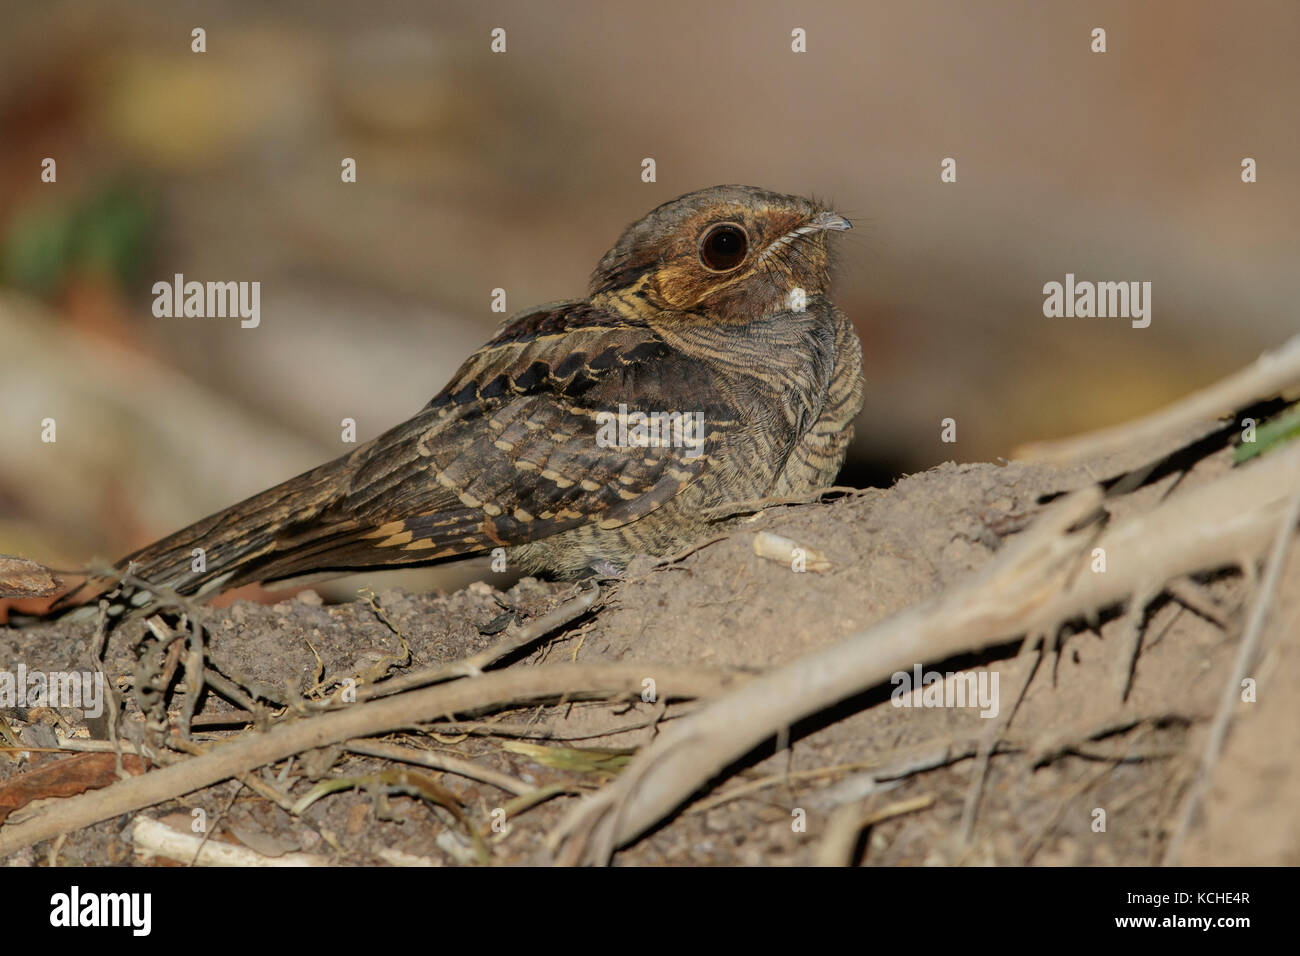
column 1076, row 752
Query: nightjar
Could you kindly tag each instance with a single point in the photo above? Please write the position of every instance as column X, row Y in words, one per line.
column 706, row 365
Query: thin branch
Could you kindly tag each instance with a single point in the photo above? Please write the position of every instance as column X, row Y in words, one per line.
column 1271, row 373
column 250, row 751
column 1232, row 689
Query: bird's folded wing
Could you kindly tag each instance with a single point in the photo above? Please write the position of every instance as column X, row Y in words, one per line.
column 523, row 443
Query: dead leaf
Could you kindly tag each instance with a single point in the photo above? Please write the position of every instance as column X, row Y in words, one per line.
column 21, row 578
column 65, row 777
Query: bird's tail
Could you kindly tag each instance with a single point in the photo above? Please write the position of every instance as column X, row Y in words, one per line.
column 271, row 536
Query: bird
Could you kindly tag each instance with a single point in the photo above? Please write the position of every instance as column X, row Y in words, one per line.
column 705, row 365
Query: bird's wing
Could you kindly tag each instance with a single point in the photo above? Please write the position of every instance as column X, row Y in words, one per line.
column 512, row 450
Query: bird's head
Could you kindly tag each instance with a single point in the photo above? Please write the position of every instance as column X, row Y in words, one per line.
column 733, row 253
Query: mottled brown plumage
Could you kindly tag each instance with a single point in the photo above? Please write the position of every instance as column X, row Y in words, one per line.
column 690, row 311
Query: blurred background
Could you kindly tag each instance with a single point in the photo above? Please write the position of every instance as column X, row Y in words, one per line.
column 478, row 170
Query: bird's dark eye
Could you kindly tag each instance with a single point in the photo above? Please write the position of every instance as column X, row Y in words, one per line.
column 723, row 247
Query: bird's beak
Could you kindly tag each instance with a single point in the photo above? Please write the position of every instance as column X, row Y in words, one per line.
column 829, row 220
column 821, row 222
